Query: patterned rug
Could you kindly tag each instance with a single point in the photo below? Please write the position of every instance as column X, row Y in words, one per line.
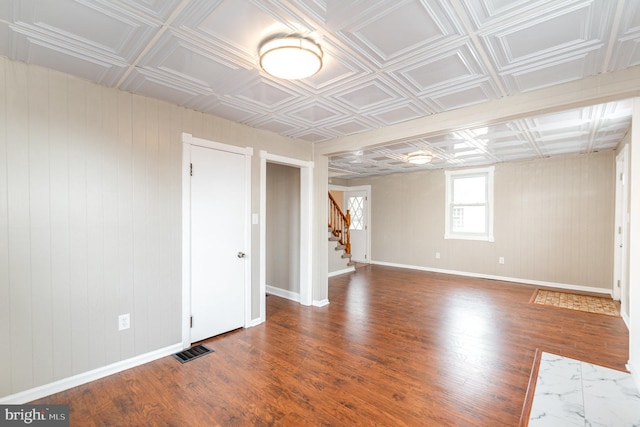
column 579, row 302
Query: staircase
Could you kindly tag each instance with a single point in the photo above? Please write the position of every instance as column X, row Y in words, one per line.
column 339, row 230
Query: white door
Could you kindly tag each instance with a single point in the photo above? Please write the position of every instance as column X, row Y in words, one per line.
column 357, row 203
column 217, row 242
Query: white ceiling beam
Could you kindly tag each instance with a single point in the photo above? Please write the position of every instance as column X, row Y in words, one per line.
column 613, row 86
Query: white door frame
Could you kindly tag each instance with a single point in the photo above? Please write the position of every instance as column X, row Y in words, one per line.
column 367, row 189
column 188, row 141
column 306, row 227
column 621, row 232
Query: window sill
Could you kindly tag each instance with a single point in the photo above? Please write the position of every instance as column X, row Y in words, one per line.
column 469, row 237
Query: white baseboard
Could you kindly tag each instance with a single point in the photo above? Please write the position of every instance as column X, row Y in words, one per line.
column 95, row 374
column 283, row 293
column 320, row 303
column 339, row 272
column 503, row 278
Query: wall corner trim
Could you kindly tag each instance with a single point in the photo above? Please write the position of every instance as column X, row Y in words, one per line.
column 320, row 303
column 255, row 322
column 343, row 271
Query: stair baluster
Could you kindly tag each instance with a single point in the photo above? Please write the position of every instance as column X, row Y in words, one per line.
column 339, row 223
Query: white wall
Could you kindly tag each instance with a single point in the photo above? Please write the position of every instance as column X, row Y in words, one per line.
column 90, row 221
column 634, row 247
column 320, row 240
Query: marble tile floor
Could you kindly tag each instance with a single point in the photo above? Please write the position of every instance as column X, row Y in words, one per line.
column 569, row 392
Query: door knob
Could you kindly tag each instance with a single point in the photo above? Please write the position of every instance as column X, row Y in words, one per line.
column 241, row 255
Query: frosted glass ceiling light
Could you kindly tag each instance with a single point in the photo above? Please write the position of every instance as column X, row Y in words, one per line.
column 419, row 158
column 291, row 57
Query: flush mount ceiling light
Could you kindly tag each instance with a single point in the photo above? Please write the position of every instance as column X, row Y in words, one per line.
column 291, row 57
column 419, row 158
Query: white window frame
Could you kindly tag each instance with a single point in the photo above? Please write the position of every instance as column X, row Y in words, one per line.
column 450, row 175
column 362, row 224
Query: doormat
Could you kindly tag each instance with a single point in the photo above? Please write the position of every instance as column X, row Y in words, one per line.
column 192, row 353
column 579, row 302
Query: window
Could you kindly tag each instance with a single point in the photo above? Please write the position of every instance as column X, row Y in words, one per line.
column 355, row 206
column 469, row 209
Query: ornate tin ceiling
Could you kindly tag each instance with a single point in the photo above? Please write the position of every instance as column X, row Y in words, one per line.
column 386, row 62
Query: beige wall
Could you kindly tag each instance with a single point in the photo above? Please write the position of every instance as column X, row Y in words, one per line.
column 90, row 221
column 283, row 227
column 338, row 196
column 553, row 222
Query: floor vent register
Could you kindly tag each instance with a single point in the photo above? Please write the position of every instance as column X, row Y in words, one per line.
column 192, row 353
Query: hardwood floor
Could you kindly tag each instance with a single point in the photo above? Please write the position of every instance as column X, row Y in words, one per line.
column 395, row 347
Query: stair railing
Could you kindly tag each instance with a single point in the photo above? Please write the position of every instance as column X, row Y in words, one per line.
column 339, row 223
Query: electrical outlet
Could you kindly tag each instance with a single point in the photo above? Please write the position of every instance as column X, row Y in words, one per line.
column 124, row 322
column 501, row 260
column 437, row 255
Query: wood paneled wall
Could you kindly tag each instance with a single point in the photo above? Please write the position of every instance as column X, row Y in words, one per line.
column 90, row 221
column 553, row 221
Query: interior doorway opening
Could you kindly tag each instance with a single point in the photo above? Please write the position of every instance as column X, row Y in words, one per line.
column 283, row 231
column 304, row 241
column 357, row 200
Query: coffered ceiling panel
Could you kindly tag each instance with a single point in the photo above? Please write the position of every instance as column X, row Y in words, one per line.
column 486, row 13
column 576, row 29
column 627, row 46
column 451, row 67
column 530, row 78
column 114, row 31
column 91, row 40
column 411, row 26
column 385, row 62
column 240, row 114
column 236, row 27
column 463, row 95
column 179, row 58
column 349, row 127
column 156, row 9
column 151, row 84
column 570, row 38
column 368, row 95
column 402, row 112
